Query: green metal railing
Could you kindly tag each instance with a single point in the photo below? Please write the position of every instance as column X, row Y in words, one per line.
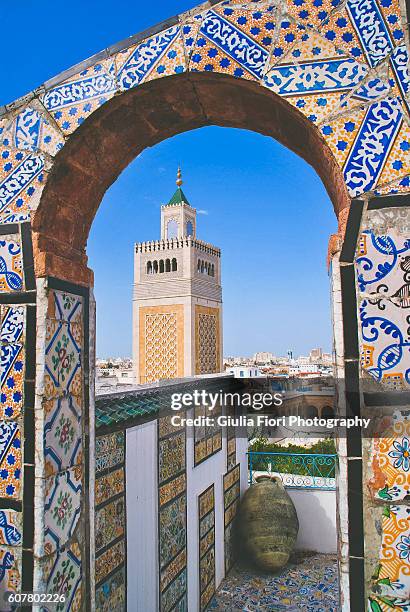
column 297, row 470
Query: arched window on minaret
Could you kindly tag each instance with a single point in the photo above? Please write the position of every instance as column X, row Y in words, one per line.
column 167, row 265
column 155, row 267
column 213, row 270
column 172, row 229
column 161, row 266
column 202, row 267
column 189, row 229
column 174, row 264
column 149, row 267
column 199, row 265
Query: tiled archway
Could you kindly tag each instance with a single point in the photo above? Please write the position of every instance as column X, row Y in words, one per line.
column 327, row 79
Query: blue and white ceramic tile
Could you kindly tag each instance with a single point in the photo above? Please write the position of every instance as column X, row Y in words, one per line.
column 10, row 569
column 71, row 102
column 11, row 324
column 65, row 306
column 10, row 459
column 62, row 434
column 62, row 508
column 158, row 56
column 372, row 145
column 11, row 528
column 30, row 130
column 383, row 266
column 21, row 183
column 385, row 342
column 63, row 359
column 223, row 47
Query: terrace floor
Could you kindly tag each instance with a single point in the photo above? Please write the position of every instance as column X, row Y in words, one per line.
column 308, row 582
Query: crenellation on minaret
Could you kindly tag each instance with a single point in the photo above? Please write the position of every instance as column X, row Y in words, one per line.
column 177, row 298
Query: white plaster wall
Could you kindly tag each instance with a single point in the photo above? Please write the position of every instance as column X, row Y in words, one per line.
column 316, row 512
column 142, row 518
column 142, row 514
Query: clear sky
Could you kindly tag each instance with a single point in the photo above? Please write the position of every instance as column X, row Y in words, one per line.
column 262, row 205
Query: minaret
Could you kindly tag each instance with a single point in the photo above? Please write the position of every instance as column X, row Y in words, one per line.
column 177, row 299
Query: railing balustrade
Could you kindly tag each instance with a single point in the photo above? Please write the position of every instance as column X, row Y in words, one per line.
column 296, row 470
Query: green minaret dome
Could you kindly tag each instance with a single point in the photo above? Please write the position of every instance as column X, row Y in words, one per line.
column 179, row 197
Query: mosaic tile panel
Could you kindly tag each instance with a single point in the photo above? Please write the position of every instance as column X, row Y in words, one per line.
column 62, row 507
column 391, row 465
column 172, row 519
column 231, row 489
column 62, row 434
column 224, row 47
column 10, row 459
column 110, row 485
column 171, row 458
column 12, row 321
column 109, row 523
column 109, row 451
column 206, row 523
column 109, row 560
column 392, row 576
column 112, row 594
column 71, row 102
column 11, row 568
column 110, row 519
column 63, row 358
column 159, row 56
column 63, row 572
column 10, row 528
column 207, row 438
column 21, row 184
column 30, row 130
column 11, row 264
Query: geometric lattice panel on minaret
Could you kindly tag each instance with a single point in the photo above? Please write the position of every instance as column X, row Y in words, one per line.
column 207, row 359
column 161, row 346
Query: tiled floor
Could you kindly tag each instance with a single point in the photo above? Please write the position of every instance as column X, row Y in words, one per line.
column 309, row 583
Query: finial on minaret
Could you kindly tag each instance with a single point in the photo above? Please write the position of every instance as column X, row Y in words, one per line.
column 179, row 177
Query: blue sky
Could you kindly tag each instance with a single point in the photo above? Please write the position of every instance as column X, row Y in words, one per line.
column 265, row 207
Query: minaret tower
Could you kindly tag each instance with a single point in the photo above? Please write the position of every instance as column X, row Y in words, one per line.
column 177, row 299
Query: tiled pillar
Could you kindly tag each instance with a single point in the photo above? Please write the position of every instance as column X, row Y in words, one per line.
column 62, row 539
column 17, row 321
column 383, row 280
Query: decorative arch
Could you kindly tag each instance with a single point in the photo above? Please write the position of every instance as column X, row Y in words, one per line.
column 310, row 76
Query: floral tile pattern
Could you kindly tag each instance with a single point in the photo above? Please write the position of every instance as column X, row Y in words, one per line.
column 62, row 434
column 172, row 520
column 109, row 523
column 11, row 264
column 10, row 459
column 71, row 102
column 62, row 507
column 391, row 462
column 10, row 528
column 63, row 359
column 392, row 576
column 63, row 573
column 111, row 594
column 109, row 451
